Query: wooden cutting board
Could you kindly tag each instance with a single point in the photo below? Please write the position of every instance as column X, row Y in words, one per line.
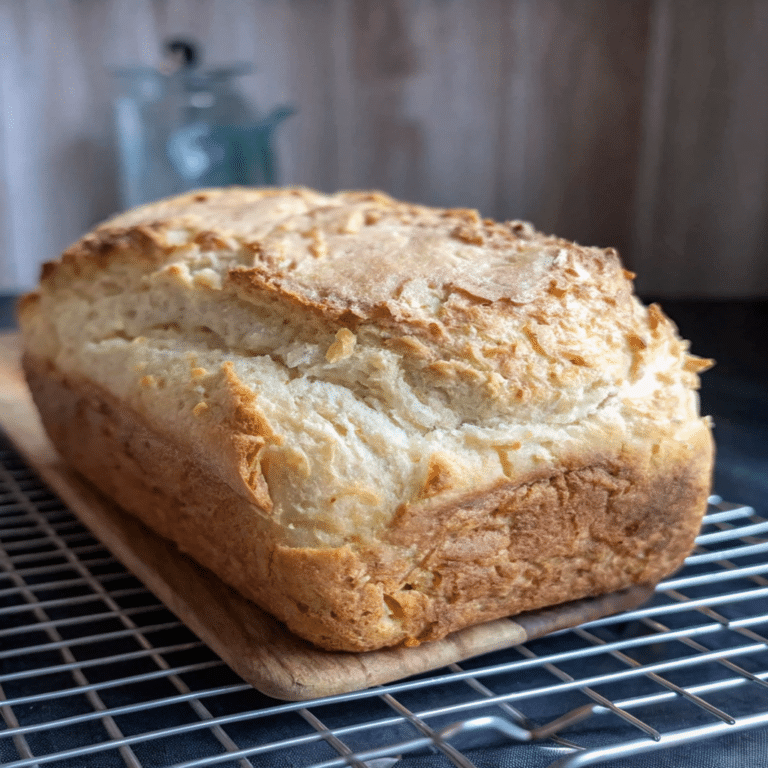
column 259, row 648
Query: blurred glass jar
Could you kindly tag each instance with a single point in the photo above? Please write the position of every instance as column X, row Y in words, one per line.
column 184, row 127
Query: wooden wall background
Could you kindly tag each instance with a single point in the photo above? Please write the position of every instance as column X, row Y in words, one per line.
column 641, row 124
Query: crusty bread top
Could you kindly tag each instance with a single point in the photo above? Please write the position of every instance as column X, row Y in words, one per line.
column 354, row 353
column 357, row 252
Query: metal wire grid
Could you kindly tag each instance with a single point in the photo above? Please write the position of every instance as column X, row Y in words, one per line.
column 95, row 672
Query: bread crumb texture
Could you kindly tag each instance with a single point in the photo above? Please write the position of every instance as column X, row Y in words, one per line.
column 400, row 401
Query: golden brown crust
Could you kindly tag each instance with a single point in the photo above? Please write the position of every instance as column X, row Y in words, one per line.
column 381, row 421
column 505, row 317
column 585, row 531
column 373, row 248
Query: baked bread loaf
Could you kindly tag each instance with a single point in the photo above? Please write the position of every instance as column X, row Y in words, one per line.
column 381, row 422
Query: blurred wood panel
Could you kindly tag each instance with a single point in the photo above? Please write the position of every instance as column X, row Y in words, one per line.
column 583, row 65
column 702, row 215
column 641, row 124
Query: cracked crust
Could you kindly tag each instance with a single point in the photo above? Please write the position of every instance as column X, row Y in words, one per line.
column 564, row 535
column 380, row 421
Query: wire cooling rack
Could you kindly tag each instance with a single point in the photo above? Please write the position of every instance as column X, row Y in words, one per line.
column 95, row 672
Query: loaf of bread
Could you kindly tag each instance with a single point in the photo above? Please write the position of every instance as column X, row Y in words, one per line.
column 379, row 421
